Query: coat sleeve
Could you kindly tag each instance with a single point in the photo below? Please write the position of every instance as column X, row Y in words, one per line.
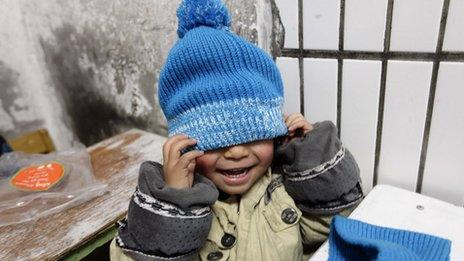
column 321, row 176
column 164, row 223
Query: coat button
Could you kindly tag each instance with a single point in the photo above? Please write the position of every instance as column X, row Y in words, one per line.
column 214, row 255
column 289, row 216
column 228, row 240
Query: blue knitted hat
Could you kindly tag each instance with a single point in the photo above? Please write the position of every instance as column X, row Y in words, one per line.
column 215, row 86
column 351, row 239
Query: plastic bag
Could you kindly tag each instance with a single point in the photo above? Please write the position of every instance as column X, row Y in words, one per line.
column 36, row 185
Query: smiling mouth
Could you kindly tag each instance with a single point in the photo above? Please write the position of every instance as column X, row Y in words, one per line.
column 236, row 177
column 235, row 172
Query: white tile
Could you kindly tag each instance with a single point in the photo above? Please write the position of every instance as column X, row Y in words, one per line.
column 321, row 24
column 415, row 25
column 320, row 89
column 289, row 70
column 444, row 168
column 360, row 102
column 288, row 10
column 454, row 38
column 365, row 24
column 406, row 98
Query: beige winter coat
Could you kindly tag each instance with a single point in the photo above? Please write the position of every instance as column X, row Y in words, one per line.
column 259, row 228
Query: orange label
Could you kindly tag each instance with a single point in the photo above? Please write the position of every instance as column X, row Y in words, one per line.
column 38, row 178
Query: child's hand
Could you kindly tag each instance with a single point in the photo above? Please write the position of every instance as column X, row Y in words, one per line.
column 178, row 170
column 297, row 126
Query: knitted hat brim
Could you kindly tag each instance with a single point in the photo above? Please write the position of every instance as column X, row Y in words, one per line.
column 230, row 122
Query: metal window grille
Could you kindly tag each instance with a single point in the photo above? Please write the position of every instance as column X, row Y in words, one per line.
column 384, row 56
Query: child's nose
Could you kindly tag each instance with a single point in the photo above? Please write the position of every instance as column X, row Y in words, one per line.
column 236, row 152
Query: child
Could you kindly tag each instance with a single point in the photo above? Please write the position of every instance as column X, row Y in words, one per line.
column 216, row 196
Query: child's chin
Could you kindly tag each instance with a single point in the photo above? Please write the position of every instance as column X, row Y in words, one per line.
column 236, row 191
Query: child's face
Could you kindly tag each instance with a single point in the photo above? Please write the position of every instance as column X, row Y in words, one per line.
column 251, row 161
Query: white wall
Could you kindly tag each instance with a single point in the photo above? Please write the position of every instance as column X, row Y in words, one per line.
column 415, row 27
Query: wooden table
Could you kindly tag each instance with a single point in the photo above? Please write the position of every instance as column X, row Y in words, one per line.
column 401, row 209
column 116, row 162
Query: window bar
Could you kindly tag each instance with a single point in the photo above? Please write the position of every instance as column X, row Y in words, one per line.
column 431, row 100
column 300, row 55
column 341, row 39
column 375, row 56
column 383, row 79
